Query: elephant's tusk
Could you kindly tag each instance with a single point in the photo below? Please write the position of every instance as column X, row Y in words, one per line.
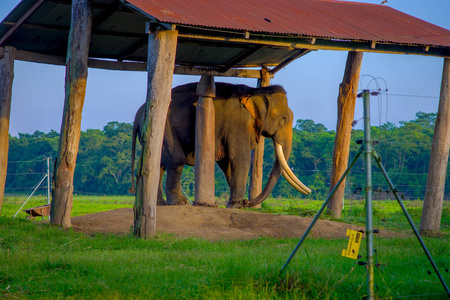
column 292, row 183
column 287, row 172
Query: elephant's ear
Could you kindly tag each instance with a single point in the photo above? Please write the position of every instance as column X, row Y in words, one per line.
column 256, row 105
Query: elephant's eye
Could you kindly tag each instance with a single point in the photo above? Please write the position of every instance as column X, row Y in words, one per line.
column 284, row 120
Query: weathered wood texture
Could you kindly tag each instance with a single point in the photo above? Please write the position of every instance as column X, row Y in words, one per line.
column 256, row 167
column 434, row 194
column 346, row 111
column 75, row 90
column 6, row 82
column 205, row 142
column 162, row 46
column 133, row 66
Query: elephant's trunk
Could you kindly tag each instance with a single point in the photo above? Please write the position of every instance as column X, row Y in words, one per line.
column 280, row 167
column 274, row 175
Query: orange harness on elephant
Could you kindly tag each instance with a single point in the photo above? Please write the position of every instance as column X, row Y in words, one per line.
column 249, row 106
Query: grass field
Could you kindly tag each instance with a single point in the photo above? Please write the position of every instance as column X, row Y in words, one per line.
column 41, row 261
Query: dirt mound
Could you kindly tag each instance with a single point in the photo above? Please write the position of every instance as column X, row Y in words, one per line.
column 215, row 224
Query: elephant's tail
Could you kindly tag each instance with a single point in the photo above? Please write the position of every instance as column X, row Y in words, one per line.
column 133, row 150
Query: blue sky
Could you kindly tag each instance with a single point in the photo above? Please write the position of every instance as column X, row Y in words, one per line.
column 311, row 82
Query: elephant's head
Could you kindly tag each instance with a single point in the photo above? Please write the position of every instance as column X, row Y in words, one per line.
column 274, row 118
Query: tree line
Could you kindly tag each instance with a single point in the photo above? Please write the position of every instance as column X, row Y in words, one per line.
column 103, row 162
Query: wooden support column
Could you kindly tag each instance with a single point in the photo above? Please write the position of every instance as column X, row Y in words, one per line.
column 162, row 46
column 256, row 166
column 346, row 111
column 434, row 195
column 6, row 82
column 205, row 142
column 75, row 88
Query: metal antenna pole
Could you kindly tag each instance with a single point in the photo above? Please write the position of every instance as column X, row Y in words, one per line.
column 48, row 180
column 369, row 226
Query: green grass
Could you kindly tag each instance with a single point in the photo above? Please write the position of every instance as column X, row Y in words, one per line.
column 81, row 204
column 38, row 261
column 386, row 214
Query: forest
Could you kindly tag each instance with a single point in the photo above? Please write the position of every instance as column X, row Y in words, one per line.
column 103, row 162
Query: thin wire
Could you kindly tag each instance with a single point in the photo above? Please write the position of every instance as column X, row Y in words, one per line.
column 415, row 96
column 39, row 158
column 33, row 173
column 23, row 161
column 379, row 94
column 24, row 188
column 93, row 194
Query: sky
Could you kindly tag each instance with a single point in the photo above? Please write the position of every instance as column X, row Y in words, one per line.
column 312, row 84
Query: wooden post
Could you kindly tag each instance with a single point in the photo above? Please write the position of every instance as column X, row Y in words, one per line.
column 162, row 46
column 75, row 89
column 434, row 195
column 205, row 142
column 6, row 82
column 256, row 166
column 346, row 111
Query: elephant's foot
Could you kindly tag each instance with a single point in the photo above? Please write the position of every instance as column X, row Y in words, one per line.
column 204, row 204
column 177, row 200
column 237, row 203
column 161, row 202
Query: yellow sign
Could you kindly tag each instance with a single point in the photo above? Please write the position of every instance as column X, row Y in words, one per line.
column 353, row 244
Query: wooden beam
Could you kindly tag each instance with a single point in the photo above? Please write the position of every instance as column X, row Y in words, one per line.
column 75, row 86
column 40, row 58
column 102, row 6
column 240, row 57
column 133, row 66
column 162, row 45
column 116, row 65
column 325, row 44
column 244, row 73
column 6, row 82
column 67, row 29
column 289, row 60
column 434, row 194
column 137, row 46
column 103, row 16
column 19, row 22
column 346, row 111
column 256, row 166
column 205, row 137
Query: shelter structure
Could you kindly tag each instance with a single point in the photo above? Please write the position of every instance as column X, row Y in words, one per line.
column 209, row 38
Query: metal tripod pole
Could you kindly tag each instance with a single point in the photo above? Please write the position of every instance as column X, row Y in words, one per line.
column 408, row 217
column 367, row 148
column 321, row 209
column 48, row 180
column 369, row 220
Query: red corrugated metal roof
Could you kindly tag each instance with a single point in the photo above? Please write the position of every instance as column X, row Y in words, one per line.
column 315, row 18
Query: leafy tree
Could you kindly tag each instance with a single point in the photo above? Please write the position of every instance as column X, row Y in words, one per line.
column 309, row 126
column 103, row 162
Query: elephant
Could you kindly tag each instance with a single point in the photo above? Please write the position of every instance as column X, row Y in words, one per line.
column 242, row 115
